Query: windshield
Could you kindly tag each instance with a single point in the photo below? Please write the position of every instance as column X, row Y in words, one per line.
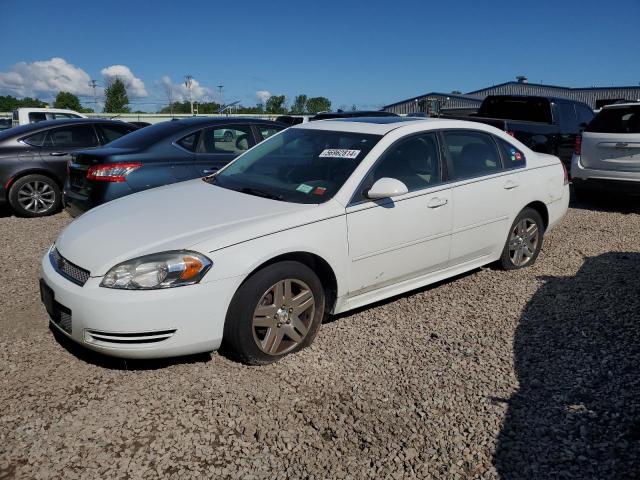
column 298, row 165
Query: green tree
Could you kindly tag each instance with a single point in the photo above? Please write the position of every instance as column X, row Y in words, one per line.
column 299, row 104
column 318, row 104
column 116, row 99
column 9, row 103
column 67, row 100
column 275, row 104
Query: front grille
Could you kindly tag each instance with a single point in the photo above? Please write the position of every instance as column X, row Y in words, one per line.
column 68, row 270
column 129, row 338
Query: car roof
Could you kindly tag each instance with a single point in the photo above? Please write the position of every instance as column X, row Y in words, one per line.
column 45, row 124
column 384, row 125
column 625, row 104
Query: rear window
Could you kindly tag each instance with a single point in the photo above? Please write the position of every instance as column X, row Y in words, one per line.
column 528, row 109
column 616, row 120
column 147, row 136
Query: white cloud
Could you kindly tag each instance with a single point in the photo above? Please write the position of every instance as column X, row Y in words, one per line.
column 263, row 95
column 135, row 86
column 45, row 77
column 180, row 92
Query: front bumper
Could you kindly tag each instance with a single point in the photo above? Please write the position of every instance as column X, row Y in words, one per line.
column 141, row 324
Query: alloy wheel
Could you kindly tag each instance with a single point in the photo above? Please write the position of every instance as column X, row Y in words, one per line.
column 523, row 241
column 36, row 197
column 283, row 316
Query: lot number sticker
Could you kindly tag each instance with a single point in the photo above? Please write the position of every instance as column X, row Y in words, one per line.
column 339, row 153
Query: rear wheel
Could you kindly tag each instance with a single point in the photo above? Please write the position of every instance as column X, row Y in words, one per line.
column 35, row 196
column 277, row 311
column 524, row 242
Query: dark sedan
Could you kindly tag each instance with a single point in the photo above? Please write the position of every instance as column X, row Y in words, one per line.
column 33, row 159
column 160, row 154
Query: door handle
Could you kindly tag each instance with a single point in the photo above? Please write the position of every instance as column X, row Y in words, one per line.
column 58, row 154
column 510, row 184
column 436, row 202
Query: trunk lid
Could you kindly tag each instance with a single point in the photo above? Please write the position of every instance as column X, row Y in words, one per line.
column 612, row 140
column 82, row 161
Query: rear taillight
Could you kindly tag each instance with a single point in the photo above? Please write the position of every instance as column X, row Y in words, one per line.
column 513, row 134
column 112, row 172
column 566, row 173
column 577, row 146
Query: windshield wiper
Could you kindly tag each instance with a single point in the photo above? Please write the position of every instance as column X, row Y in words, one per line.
column 260, row 193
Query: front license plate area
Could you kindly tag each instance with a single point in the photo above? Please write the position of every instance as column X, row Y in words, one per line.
column 60, row 315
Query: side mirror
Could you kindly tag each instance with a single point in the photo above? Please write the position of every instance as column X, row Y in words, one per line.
column 386, row 188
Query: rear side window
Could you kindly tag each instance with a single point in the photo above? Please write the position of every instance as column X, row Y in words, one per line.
column 567, row 116
column 616, row 120
column 514, row 158
column 266, row 132
column 37, row 140
column 109, row 133
column 188, row 142
column 585, row 114
column 472, row 154
column 233, row 140
column 73, row 136
column 37, row 117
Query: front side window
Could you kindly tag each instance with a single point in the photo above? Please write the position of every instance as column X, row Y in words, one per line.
column 300, row 165
column 472, row 154
column 234, row 140
column 414, row 161
column 73, row 136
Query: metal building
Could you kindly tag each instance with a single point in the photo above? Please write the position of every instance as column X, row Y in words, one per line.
column 595, row 97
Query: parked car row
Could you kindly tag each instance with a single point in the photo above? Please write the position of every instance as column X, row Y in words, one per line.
column 316, row 219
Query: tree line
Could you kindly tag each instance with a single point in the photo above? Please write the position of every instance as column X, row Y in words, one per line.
column 117, row 101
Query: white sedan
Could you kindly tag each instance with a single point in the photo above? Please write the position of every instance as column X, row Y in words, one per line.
column 319, row 219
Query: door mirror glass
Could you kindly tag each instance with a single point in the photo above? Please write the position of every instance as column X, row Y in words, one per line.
column 387, row 188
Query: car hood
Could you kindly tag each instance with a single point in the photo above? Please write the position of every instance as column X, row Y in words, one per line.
column 175, row 217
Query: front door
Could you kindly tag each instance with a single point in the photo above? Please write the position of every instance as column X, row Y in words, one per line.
column 407, row 236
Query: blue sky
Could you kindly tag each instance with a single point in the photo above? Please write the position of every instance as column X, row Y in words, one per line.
column 367, row 53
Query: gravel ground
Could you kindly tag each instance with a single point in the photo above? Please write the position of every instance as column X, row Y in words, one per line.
column 528, row 374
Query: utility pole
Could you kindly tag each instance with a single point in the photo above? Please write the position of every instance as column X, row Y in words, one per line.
column 93, row 84
column 220, row 95
column 188, row 82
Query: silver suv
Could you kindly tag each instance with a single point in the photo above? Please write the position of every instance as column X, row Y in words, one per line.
column 608, row 153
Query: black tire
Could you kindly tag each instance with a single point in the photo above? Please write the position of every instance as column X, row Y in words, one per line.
column 47, row 203
column 507, row 260
column 241, row 336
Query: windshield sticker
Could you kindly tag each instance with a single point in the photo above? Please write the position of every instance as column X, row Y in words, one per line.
column 339, row 153
column 319, row 191
column 304, row 188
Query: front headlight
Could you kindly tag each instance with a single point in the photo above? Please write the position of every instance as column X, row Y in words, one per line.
column 159, row 270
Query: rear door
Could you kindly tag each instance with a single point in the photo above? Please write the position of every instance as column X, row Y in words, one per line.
column 612, row 140
column 486, row 188
column 217, row 146
column 61, row 141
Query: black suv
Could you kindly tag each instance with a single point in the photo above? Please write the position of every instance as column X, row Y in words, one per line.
column 33, row 159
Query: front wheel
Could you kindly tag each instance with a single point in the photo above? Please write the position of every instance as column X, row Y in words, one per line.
column 277, row 311
column 524, row 242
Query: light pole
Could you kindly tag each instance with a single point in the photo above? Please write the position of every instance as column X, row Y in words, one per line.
column 93, row 84
column 188, row 82
column 220, row 95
